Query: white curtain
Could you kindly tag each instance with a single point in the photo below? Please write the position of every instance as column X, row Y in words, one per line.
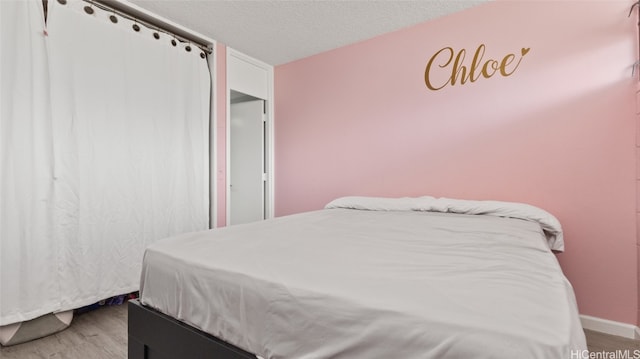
column 28, row 255
column 131, row 125
column 129, row 129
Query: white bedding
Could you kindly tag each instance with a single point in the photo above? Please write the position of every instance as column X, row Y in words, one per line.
column 378, row 283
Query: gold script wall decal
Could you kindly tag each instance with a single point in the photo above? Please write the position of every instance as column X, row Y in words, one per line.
column 450, row 62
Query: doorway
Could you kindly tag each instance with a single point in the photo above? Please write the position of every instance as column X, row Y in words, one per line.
column 249, row 161
column 247, row 177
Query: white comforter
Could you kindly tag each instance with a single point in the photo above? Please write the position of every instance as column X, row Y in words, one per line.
column 386, row 282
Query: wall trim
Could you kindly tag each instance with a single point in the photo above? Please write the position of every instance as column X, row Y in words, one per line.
column 270, row 132
column 610, row 327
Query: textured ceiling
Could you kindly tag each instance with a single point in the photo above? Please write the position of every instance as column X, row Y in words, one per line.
column 278, row 32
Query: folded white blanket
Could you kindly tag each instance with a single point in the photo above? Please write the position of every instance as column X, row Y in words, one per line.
column 549, row 224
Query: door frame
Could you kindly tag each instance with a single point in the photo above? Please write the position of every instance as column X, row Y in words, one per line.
column 260, row 86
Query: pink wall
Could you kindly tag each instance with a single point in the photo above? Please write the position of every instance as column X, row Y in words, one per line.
column 558, row 133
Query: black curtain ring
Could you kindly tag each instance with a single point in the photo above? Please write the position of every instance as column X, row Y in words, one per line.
column 89, row 9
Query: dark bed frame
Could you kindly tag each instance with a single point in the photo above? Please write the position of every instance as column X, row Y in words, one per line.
column 154, row 335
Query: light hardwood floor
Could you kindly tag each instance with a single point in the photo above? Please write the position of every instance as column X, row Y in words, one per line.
column 99, row 334
column 102, row 334
column 600, row 342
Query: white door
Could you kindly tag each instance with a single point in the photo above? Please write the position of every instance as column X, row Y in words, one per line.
column 246, row 162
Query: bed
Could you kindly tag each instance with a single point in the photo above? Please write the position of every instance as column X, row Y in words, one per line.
column 363, row 278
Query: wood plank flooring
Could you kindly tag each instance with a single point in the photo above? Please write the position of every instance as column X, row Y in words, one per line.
column 600, row 342
column 102, row 334
column 99, row 334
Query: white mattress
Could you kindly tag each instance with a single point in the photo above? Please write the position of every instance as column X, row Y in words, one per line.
column 348, row 283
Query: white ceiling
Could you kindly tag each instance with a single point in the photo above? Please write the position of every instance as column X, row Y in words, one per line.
column 282, row 31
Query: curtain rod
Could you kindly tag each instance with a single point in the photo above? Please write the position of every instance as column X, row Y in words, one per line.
column 142, row 16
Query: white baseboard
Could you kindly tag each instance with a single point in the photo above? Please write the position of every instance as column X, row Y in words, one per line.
column 610, row 327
